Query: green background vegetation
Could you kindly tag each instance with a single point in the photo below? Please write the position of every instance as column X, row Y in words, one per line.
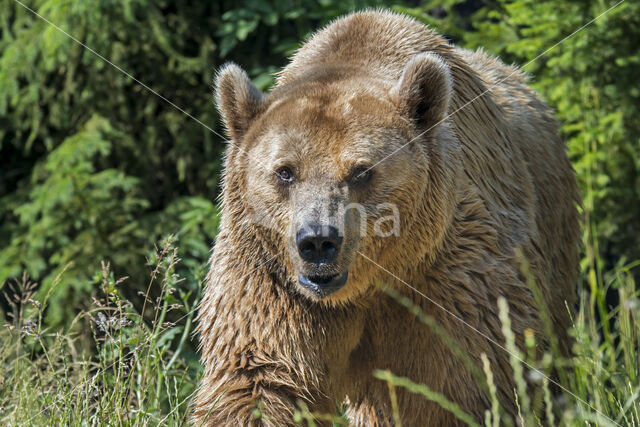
column 96, row 168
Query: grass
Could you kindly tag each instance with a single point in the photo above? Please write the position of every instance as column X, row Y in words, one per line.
column 137, row 376
column 140, row 375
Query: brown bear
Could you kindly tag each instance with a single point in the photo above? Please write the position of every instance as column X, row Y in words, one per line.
column 376, row 110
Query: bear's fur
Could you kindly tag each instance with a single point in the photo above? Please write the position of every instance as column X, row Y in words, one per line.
column 471, row 158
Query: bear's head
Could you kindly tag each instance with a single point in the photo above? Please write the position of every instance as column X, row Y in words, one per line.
column 338, row 170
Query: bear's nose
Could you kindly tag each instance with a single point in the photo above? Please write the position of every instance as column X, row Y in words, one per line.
column 318, row 243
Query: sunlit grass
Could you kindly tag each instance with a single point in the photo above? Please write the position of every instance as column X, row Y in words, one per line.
column 136, row 376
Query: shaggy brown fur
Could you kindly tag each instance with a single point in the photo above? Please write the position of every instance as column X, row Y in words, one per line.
column 472, row 190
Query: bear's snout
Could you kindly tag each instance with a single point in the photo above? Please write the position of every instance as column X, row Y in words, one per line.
column 318, row 246
column 318, row 243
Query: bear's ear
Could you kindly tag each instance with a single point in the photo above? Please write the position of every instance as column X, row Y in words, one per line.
column 424, row 90
column 237, row 99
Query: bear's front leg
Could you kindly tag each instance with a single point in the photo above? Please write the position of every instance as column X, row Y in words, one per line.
column 247, row 399
column 245, row 385
column 261, row 352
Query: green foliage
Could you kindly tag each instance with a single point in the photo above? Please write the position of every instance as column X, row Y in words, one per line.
column 95, row 167
column 62, row 219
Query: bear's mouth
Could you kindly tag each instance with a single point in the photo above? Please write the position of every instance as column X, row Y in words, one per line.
column 323, row 285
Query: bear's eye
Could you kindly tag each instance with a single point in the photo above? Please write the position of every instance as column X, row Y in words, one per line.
column 361, row 175
column 285, row 174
